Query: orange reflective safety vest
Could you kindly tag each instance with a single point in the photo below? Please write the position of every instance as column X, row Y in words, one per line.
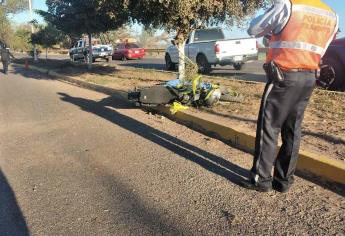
column 304, row 39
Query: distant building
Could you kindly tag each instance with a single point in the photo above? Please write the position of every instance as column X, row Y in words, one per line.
column 128, row 40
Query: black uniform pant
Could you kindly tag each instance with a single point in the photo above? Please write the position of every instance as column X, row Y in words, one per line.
column 5, row 66
column 282, row 109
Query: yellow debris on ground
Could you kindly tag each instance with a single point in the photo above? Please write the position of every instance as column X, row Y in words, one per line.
column 176, row 106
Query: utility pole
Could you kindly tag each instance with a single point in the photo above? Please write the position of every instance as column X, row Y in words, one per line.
column 32, row 29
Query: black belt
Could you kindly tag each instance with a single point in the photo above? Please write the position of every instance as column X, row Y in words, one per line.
column 298, row 70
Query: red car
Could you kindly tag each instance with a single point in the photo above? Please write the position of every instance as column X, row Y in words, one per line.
column 124, row 51
column 335, row 59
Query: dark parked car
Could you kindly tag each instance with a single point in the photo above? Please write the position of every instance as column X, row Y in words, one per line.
column 124, row 51
column 103, row 52
column 80, row 50
column 335, row 59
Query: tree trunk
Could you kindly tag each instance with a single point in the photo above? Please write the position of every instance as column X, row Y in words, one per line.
column 181, row 64
column 46, row 54
column 35, row 53
column 90, row 53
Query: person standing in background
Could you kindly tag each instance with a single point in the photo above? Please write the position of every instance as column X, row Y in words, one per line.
column 5, row 57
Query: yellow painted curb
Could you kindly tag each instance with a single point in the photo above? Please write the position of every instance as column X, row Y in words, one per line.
column 232, row 135
column 317, row 164
column 322, row 166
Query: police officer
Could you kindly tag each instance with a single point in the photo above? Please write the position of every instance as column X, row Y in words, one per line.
column 5, row 58
column 299, row 32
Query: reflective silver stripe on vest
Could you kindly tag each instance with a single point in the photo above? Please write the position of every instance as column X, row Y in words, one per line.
column 314, row 10
column 297, row 45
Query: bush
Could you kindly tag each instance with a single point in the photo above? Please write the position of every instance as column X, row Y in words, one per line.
column 31, row 52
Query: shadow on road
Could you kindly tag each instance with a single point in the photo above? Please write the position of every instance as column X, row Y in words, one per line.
column 12, row 221
column 207, row 160
column 141, row 65
column 188, row 151
column 30, row 74
column 102, row 70
column 128, row 209
column 65, row 67
column 43, row 63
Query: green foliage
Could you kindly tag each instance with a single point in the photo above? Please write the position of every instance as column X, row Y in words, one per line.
column 150, row 39
column 21, row 39
column 47, row 36
column 76, row 17
column 66, row 42
column 147, row 38
column 183, row 16
column 114, row 36
column 31, row 52
column 6, row 32
column 13, row 6
column 9, row 7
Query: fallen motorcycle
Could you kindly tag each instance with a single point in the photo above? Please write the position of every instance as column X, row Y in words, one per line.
column 194, row 93
column 190, row 91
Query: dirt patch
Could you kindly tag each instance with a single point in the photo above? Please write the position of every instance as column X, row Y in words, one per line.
column 324, row 123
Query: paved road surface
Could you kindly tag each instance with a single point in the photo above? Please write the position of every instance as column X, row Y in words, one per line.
column 252, row 71
column 77, row 162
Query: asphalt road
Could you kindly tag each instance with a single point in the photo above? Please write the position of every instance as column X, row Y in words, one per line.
column 252, row 71
column 77, row 162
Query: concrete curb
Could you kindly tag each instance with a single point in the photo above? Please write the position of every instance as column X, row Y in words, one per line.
column 317, row 164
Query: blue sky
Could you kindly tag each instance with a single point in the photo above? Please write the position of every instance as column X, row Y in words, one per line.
column 337, row 5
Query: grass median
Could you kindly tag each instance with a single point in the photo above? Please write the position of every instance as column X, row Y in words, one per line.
column 324, row 124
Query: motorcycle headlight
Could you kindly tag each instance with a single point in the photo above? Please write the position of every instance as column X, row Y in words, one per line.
column 213, row 98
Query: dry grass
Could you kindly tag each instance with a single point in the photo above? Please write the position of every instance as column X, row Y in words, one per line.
column 324, row 124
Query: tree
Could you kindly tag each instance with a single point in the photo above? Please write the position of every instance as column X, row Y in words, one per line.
column 76, row 17
column 22, row 38
column 47, row 36
column 13, row 6
column 183, row 16
column 6, row 32
column 9, row 7
column 115, row 36
column 150, row 39
column 147, row 38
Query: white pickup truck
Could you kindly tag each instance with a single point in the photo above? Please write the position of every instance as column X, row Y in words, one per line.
column 208, row 47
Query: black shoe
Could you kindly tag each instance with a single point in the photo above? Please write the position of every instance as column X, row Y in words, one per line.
column 282, row 188
column 251, row 184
